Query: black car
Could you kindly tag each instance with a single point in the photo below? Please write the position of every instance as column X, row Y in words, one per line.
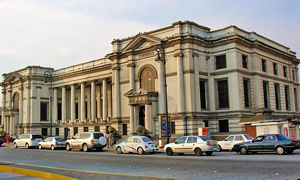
column 269, row 142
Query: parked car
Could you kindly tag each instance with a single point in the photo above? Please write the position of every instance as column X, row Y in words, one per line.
column 86, row 141
column 136, row 144
column 52, row 143
column 270, row 142
column 192, row 144
column 28, row 140
column 230, row 141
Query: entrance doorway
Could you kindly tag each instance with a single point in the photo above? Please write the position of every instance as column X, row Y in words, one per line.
column 142, row 116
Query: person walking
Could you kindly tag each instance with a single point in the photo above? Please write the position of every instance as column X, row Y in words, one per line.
column 7, row 138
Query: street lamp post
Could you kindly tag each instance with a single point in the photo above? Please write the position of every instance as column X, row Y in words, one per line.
column 48, row 75
column 161, row 57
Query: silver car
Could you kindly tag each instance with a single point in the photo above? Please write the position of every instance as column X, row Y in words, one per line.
column 28, row 140
column 52, row 143
column 86, row 141
column 192, row 144
column 136, row 144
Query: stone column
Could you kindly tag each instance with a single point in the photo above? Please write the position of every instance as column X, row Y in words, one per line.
column 82, row 102
column 197, row 82
column 3, row 105
column 63, row 105
column 132, row 75
column 116, row 71
column 73, row 114
column 10, row 125
column 9, row 96
column 104, row 106
column 28, row 104
column 180, row 82
column 147, row 117
column 21, row 105
column 4, row 122
column 54, row 109
column 93, row 101
column 161, row 95
column 131, row 119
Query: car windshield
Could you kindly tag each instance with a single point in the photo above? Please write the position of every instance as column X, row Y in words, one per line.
column 59, row 139
column 282, row 137
column 97, row 135
column 145, row 139
column 37, row 136
column 204, row 138
column 248, row 137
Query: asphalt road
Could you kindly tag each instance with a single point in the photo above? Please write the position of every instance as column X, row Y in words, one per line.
column 107, row 165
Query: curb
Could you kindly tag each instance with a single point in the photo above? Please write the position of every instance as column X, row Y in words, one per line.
column 32, row 173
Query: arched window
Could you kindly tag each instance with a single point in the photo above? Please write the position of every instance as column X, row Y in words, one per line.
column 16, row 101
column 147, row 79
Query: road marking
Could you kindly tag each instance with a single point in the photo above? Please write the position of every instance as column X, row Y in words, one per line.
column 33, row 173
column 96, row 172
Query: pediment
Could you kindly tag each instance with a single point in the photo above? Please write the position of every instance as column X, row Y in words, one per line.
column 12, row 76
column 141, row 41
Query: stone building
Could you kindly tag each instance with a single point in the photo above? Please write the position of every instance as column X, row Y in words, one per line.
column 214, row 79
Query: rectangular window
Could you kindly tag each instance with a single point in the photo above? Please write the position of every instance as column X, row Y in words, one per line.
column 56, row 131
column 275, row 68
column 203, row 91
column 245, row 61
column 293, row 74
column 285, row 71
column 205, row 123
column 44, row 111
column 75, row 131
column 287, row 97
column 97, row 128
column 86, row 109
column 296, row 99
column 76, row 111
column 124, row 128
column 172, row 128
column 266, row 94
column 85, row 129
column 264, row 65
column 223, row 99
column 223, row 126
column 277, row 96
column 45, row 131
column 58, row 111
column 246, row 83
column 221, row 62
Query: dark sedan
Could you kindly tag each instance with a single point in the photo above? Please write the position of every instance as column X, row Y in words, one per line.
column 270, row 142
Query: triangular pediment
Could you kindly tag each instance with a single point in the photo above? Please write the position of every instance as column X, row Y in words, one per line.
column 141, row 41
column 12, row 76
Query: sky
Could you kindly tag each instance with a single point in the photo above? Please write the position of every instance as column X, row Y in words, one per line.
column 61, row 33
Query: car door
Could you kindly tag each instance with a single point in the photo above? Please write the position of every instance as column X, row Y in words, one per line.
column 179, row 145
column 75, row 140
column 128, row 146
column 237, row 139
column 136, row 143
column 190, row 144
column 19, row 140
column 227, row 145
column 256, row 144
column 270, row 142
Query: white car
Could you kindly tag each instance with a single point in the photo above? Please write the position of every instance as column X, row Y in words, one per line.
column 28, row 140
column 52, row 143
column 136, row 144
column 192, row 144
column 230, row 141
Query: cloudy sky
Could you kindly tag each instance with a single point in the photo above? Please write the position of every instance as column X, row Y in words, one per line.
column 60, row 33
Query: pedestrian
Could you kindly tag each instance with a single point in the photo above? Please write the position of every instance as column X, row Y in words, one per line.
column 7, row 138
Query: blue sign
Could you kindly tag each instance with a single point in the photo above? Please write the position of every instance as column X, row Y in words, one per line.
column 164, row 126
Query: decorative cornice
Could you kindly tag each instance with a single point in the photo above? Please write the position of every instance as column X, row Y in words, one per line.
column 131, row 64
column 115, row 67
column 178, row 54
column 195, row 54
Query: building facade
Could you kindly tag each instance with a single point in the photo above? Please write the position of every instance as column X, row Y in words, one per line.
column 213, row 79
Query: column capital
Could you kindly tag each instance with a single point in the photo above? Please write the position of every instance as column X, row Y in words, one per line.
column 195, row 54
column 178, row 54
column 116, row 67
column 131, row 64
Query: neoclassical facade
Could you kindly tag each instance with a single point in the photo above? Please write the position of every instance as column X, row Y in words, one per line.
column 213, row 78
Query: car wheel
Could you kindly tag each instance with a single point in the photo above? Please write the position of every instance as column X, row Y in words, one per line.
column 40, row 146
column 16, row 146
column 52, row 148
column 140, row 150
column 219, row 148
column 280, row 150
column 119, row 150
column 289, row 151
column 27, row 146
column 85, row 148
column 68, row 147
column 243, row 151
column 209, row 153
column 169, row 151
column 198, row 152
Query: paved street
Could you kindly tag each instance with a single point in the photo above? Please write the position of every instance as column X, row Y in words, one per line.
column 108, row 165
